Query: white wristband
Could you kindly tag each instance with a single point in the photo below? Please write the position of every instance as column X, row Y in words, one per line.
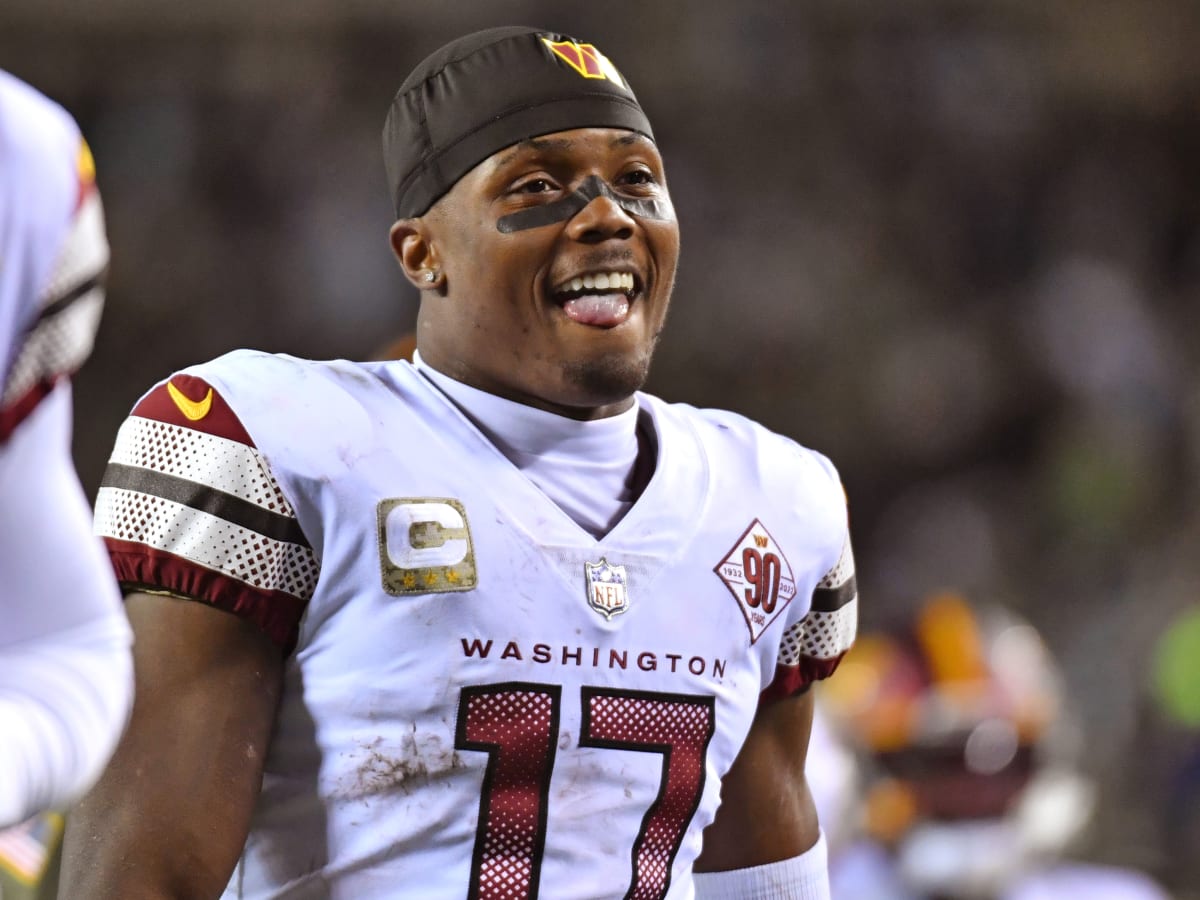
column 803, row 877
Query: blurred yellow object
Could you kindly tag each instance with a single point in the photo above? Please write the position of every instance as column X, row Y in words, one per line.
column 876, row 690
column 86, row 164
column 949, row 636
column 890, row 810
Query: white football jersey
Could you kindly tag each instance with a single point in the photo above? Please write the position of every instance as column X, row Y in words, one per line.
column 481, row 699
column 53, row 251
column 66, row 676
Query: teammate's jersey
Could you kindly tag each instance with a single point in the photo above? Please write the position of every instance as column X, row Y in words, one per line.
column 53, row 252
column 66, row 673
column 480, row 698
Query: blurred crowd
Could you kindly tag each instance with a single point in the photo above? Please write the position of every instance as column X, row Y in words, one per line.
column 954, row 246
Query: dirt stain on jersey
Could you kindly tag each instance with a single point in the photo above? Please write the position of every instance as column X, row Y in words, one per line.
column 416, row 761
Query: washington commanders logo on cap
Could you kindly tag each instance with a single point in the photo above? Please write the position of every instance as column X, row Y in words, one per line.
column 586, row 60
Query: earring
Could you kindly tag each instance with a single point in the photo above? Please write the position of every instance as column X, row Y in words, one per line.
column 431, row 276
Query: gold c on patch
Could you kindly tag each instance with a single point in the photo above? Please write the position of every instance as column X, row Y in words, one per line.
column 425, row 546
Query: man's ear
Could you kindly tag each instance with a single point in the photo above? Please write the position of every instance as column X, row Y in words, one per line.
column 416, row 254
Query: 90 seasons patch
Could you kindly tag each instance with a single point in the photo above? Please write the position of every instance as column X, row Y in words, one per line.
column 759, row 577
column 425, row 546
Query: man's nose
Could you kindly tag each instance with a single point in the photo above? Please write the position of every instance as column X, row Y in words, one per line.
column 602, row 219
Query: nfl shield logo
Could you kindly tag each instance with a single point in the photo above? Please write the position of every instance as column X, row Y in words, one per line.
column 606, row 588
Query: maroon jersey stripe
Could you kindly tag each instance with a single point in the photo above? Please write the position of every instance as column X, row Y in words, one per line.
column 209, row 412
column 791, row 680
column 16, row 412
column 87, row 187
column 276, row 613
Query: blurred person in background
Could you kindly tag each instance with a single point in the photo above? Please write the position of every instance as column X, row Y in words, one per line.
column 492, row 623
column 967, row 786
column 65, row 664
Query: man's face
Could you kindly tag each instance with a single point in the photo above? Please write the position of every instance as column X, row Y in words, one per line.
column 557, row 258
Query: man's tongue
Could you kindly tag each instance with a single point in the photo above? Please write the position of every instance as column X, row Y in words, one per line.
column 603, row 310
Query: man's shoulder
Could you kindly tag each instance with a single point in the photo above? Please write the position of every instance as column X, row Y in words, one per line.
column 31, row 123
column 256, row 362
column 40, row 159
column 733, row 432
column 264, row 399
column 246, row 374
column 39, row 143
column 702, row 417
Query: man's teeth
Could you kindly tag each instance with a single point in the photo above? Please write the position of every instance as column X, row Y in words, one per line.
column 601, row 281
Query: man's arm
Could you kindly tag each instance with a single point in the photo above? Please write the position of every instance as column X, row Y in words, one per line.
column 170, row 815
column 766, row 812
column 66, row 674
column 765, row 841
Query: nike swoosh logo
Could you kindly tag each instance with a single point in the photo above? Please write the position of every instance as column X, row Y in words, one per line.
column 190, row 408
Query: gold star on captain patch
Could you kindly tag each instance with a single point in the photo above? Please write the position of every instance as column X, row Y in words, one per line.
column 424, row 546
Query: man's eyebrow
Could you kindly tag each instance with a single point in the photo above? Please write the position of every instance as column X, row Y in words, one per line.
column 537, row 145
column 631, row 138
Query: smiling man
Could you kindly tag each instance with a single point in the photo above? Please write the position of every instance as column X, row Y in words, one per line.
column 493, row 623
column 575, row 238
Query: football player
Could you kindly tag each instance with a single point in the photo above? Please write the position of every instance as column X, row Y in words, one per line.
column 970, row 786
column 66, row 676
column 493, row 623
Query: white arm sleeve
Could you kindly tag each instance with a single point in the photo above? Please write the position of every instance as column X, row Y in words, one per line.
column 66, row 672
column 803, row 877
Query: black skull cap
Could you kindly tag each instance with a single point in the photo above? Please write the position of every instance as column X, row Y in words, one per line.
column 491, row 89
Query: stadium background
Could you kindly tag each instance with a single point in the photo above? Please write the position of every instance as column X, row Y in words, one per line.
column 956, row 246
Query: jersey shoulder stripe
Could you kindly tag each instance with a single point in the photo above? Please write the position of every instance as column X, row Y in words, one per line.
column 812, row 648
column 64, row 322
column 189, row 505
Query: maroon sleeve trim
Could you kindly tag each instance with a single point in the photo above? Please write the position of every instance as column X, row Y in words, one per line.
column 16, row 412
column 791, row 680
column 276, row 613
